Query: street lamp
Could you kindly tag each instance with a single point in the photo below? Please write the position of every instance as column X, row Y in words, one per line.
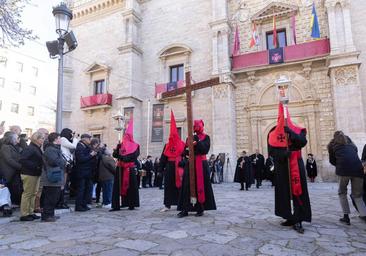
column 120, row 124
column 62, row 15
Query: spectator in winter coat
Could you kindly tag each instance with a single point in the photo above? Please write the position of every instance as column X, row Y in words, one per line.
column 83, row 172
column 52, row 189
column 343, row 155
column 107, row 169
column 31, row 170
column 10, row 166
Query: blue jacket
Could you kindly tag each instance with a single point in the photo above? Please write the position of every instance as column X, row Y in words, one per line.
column 84, row 164
column 346, row 160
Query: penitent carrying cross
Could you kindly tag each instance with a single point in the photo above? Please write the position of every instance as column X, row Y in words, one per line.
column 188, row 91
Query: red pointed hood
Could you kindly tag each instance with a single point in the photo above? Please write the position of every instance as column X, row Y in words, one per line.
column 277, row 138
column 128, row 146
column 175, row 145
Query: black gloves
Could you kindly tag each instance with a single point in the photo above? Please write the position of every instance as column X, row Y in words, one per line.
column 181, row 164
column 288, row 130
column 196, row 138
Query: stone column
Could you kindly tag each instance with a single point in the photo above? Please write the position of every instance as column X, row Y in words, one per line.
column 223, row 137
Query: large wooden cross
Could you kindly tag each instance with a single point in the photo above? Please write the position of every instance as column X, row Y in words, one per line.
column 188, row 91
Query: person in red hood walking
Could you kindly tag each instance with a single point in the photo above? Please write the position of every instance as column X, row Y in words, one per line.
column 125, row 181
column 285, row 142
column 169, row 165
column 205, row 196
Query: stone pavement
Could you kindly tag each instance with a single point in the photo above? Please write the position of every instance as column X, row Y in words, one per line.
column 244, row 224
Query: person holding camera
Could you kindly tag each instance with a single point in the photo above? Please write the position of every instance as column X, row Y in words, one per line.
column 83, row 172
column 52, row 176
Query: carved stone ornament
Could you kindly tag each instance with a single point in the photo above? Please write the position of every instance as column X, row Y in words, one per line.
column 251, row 77
column 220, row 91
column 345, row 75
column 242, row 12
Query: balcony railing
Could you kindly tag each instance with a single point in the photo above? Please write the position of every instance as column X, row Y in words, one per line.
column 99, row 100
column 166, row 87
column 297, row 52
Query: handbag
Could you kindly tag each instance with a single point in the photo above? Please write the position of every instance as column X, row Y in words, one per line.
column 54, row 174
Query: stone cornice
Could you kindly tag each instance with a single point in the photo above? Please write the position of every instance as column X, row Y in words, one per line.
column 132, row 14
column 130, row 47
column 88, row 11
column 129, row 97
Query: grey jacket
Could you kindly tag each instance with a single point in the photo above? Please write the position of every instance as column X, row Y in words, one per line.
column 52, row 158
column 9, row 161
column 107, row 168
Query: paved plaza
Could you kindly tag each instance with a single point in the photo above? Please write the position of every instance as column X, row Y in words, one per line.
column 244, row 224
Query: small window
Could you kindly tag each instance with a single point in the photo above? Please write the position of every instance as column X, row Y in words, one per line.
column 30, row 111
column 180, row 131
column 19, row 66
column 99, row 87
column 2, row 82
column 35, row 71
column 281, row 39
column 14, row 108
column 17, row 86
column 32, row 90
column 176, row 73
column 28, row 131
column 97, row 136
column 3, row 61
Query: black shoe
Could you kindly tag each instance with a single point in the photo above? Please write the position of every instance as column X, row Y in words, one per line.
column 199, row 214
column 35, row 217
column 81, row 209
column 241, row 189
column 131, row 208
column 114, row 210
column 345, row 220
column 298, row 228
column 182, row 214
column 26, row 218
column 49, row 219
column 287, row 223
column 362, row 218
column 87, row 208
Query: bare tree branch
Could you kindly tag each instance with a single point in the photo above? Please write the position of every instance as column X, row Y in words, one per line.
column 12, row 31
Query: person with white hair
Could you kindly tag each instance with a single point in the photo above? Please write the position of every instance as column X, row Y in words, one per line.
column 107, row 169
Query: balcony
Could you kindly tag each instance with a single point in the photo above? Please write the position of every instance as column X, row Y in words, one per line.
column 292, row 53
column 99, row 101
column 161, row 88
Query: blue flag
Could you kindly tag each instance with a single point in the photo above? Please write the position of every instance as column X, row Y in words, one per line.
column 315, row 31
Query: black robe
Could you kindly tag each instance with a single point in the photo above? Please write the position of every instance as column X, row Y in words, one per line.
column 171, row 192
column 132, row 199
column 311, row 169
column 302, row 208
column 184, row 203
column 244, row 174
column 269, row 171
column 257, row 166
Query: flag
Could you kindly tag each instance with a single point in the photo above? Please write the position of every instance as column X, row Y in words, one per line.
column 275, row 44
column 293, row 27
column 315, row 31
column 255, row 38
column 236, row 48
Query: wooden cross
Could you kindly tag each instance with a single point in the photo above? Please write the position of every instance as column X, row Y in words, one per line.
column 188, row 91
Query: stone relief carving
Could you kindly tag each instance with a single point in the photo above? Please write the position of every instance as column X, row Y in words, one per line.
column 242, row 12
column 345, row 75
column 220, row 91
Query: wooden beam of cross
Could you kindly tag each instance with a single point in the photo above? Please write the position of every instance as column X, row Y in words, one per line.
column 188, row 91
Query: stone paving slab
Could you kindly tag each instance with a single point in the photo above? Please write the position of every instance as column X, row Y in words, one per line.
column 244, row 224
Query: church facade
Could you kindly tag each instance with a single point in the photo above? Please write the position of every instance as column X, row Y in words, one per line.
column 131, row 51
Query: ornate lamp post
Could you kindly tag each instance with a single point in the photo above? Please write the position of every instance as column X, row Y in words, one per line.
column 63, row 16
column 120, row 124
